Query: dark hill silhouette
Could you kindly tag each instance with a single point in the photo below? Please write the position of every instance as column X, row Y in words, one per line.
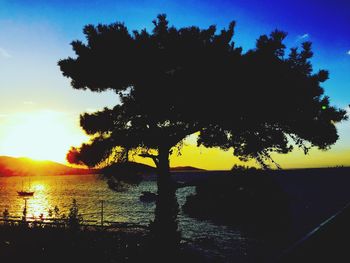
column 128, row 172
column 22, row 166
column 11, row 166
column 186, row 168
column 147, row 169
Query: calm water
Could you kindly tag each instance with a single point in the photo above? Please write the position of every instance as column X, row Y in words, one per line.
column 88, row 190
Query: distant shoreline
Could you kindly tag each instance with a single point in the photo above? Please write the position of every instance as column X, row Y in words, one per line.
column 11, row 166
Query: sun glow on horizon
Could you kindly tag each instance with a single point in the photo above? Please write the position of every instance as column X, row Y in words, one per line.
column 40, row 135
column 48, row 135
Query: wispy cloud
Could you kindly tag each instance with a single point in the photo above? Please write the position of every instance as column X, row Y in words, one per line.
column 4, row 53
column 303, row 37
column 28, row 102
column 348, row 52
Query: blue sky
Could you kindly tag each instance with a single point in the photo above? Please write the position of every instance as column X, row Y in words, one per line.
column 47, row 27
column 34, row 35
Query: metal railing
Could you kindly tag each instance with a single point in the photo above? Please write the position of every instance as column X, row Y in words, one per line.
column 59, row 222
column 64, row 221
column 317, row 232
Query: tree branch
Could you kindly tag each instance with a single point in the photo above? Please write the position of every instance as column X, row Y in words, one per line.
column 152, row 156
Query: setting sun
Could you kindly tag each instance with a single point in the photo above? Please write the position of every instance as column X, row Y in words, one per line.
column 42, row 135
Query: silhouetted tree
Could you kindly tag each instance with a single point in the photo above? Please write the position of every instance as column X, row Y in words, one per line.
column 74, row 218
column 174, row 82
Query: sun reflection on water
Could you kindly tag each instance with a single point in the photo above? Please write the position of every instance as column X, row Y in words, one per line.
column 38, row 204
column 39, row 187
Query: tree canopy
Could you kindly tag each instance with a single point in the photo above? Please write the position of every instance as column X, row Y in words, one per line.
column 173, row 82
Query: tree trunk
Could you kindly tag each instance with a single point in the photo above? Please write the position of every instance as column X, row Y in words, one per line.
column 164, row 228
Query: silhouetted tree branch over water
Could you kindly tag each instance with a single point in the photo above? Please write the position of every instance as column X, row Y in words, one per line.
column 174, row 82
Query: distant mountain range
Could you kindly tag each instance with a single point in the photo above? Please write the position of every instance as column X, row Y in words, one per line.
column 147, row 169
column 10, row 166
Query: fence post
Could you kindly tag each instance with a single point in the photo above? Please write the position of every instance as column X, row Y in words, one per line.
column 101, row 212
column 25, row 210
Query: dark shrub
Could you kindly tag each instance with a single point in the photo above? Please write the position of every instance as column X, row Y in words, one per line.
column 248, row 197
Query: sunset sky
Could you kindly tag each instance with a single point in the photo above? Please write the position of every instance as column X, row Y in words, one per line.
column 39, row 111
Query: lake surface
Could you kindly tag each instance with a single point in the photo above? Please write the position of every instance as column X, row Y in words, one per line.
column 50, row 191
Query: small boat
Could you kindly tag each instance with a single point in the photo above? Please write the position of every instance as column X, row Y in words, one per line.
column 148, row 197
column 25, row 193
column 117, row 186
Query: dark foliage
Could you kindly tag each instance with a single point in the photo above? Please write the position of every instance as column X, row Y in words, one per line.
column 74, row 218
column 173, row 82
